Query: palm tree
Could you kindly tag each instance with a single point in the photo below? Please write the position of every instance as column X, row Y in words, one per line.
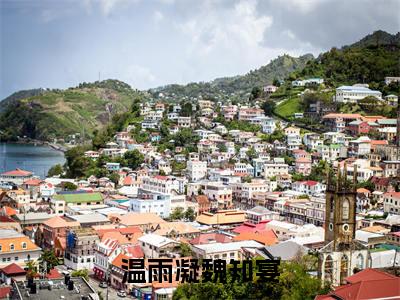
column 49, row 259
column 31, row 268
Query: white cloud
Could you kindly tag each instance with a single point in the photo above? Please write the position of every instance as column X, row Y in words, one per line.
column 106, row 6
column 158, row 17
column 137, row 76
column 236, row 32
column 304, row 6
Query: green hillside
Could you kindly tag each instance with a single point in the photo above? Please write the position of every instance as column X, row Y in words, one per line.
column 237, row 87
column 369, row 60
column 59, row 113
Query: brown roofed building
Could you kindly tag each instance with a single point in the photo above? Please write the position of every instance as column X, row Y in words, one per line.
column 222, row 217
column 142, row 220
column 55, row 229
column 207, row 238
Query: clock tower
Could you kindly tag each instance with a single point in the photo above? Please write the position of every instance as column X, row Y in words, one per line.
column 340, row 210
column 342, row 254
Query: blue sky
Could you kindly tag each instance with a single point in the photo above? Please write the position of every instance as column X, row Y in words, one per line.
column 148, row 43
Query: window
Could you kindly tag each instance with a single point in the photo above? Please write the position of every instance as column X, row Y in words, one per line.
column 12, row 247
column 0, row 247
column 16, row 258
column 23, row 245
column 345, row 210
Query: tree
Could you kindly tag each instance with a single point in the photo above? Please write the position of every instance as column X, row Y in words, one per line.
column 76, row 163
column 185, row 250
column 114, row 177
column 84, row 273
column 251, row 153
column 68, row 186
column 293, row 282
column 255, row 93
column 268, row 107
column 177, row 214
column 48, row 260
column 276, row 82
column 186, row 109
column 31, row 268
column 190, row 214
column 55, row 170
column 222, row 147
column 134, row 159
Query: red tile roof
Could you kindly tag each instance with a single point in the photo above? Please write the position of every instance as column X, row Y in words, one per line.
column 367, row 284
column 249, row 227
column 372, row 289
column 54, row 274
column 369, row 274
column 13, row 269
column 17, row 172
column 4, row 292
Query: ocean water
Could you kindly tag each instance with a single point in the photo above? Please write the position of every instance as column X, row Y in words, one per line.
column 37, row 159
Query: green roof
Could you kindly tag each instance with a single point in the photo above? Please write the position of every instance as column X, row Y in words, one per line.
column 80, row 197
column 387, row 121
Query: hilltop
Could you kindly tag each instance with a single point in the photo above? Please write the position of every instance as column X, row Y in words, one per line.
column 369, row 61
column 237, row 87
column 46, row 114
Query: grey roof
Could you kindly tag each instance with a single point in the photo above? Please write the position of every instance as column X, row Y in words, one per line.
column 34, row 216
column 58, row 290
column 260, row 210
column 9, row 233
column 286, row 250
column 89, row 218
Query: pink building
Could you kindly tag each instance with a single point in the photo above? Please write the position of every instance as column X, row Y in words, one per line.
column 303, row 166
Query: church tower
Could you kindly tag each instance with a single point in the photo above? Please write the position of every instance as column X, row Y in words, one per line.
column 342, row 254
column 340, row 210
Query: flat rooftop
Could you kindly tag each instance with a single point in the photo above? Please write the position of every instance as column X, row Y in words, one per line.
column 58, row 290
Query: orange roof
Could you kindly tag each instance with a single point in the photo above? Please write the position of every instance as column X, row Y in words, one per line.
column 363, row 191
column 128, row 180
column 267, row 237
column 58, row 222
column 346, row 116
column 378, row 142
column 17, row 172
column 9, row 211
column 18, row 243
column 115, row 235
column 33, row 181
column 303, row 160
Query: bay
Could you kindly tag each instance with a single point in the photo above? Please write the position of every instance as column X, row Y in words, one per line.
column 35, row 158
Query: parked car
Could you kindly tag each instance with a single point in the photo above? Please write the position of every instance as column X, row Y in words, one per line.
column 103, row 284
column 121, row 294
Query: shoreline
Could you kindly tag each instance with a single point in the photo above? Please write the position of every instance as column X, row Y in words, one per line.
column 54, row 146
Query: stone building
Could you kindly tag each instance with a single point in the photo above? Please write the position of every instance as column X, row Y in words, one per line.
column 342, row 255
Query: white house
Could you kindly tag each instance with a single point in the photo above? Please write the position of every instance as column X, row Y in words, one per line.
column 309, row 187
column 353, row 94
column 159, row 204
column 156, row 246
column 196, row 169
